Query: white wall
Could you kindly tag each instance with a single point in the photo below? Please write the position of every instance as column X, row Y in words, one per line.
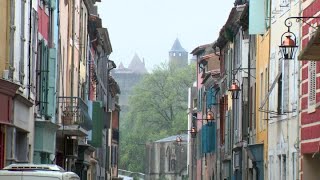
column 283, row 130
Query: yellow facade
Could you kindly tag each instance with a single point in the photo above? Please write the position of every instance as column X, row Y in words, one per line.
column 262, row 86
column 4, row 35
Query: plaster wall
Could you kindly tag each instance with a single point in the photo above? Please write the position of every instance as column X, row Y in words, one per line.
column 262, row 75
column 283, row 131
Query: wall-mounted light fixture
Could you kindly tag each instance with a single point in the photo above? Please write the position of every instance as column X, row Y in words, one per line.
column 289, row 45
column 210, row 117
column 193, row 133
column 235, row 89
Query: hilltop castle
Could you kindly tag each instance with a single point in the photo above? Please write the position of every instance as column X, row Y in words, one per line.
column 127, row 78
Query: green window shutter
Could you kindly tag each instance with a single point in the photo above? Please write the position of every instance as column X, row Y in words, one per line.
column 51, row 105
column 97, row 118
column 44, row 79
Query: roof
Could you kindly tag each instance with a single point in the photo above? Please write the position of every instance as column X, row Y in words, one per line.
column 173, row 138
column 230, row 27
column 137, row 65
column 200, row 48
column 176, row 47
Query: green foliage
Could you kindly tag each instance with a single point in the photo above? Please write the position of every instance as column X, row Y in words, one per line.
column 157, row 109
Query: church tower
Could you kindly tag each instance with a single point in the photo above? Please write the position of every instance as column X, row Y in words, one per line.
column 178, row 56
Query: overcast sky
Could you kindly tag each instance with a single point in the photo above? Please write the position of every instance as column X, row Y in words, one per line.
column 150, row 27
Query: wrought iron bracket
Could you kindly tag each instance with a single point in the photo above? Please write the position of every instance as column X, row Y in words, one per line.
column 288, row 22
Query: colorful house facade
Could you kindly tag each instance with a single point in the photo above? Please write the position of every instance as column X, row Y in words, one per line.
column 309, row 92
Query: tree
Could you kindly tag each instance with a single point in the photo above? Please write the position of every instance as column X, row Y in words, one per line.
column 157, row 109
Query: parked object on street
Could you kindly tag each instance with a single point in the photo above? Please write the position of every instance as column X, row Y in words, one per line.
column 36, row 172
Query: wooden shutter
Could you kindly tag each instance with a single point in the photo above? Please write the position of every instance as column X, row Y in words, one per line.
column 97, row 118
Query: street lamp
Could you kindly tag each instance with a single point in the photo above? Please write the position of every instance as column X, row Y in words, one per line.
column 288, row 45
column 192, row 131
column 210, row 117
column 234, row 89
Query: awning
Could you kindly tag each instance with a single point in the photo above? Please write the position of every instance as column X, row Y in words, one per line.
column 270, row 90
column 312, row 50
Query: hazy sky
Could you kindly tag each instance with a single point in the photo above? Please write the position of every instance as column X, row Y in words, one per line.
column 149, row 27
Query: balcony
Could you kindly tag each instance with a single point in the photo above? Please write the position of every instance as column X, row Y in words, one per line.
column 75, row 117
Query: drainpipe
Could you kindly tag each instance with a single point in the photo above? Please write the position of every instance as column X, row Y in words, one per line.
column 298, row 103
column 11, row 39
column 249, row 105
column 29, row 51
column 72, row 49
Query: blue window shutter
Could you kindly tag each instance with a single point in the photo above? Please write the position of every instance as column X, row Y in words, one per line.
column 212, row 137
column 51, row 105
column 205, row 139
column 214, row 99
column 209, row 98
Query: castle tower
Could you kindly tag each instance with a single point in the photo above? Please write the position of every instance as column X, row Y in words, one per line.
column 127, row 78
column 178, row 56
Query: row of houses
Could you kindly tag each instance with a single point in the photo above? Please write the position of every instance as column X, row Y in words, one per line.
column 59, row 104
column 255, row 103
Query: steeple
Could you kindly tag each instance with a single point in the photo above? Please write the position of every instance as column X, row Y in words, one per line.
column 178, row 56
column 176, row 47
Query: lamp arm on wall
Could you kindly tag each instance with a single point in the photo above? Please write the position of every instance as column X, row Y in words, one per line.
column 288, row 22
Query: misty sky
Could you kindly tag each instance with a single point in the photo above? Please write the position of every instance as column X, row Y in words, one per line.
column 149, row 27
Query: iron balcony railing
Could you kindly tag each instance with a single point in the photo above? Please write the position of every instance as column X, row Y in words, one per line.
column 75, row 112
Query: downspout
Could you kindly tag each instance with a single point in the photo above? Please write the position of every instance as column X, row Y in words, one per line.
column 72, row 50
column 29, row 52
column 298, row 102
column 249, row 105
column 11, row 39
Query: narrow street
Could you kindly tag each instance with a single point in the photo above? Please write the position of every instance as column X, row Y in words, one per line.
column 160, row 90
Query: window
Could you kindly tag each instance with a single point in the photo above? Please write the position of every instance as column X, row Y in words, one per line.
column 312, row 84
column 271, row 172
column 284, row 167
column 261, row 95
column 41, row 4
column 294, row 164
